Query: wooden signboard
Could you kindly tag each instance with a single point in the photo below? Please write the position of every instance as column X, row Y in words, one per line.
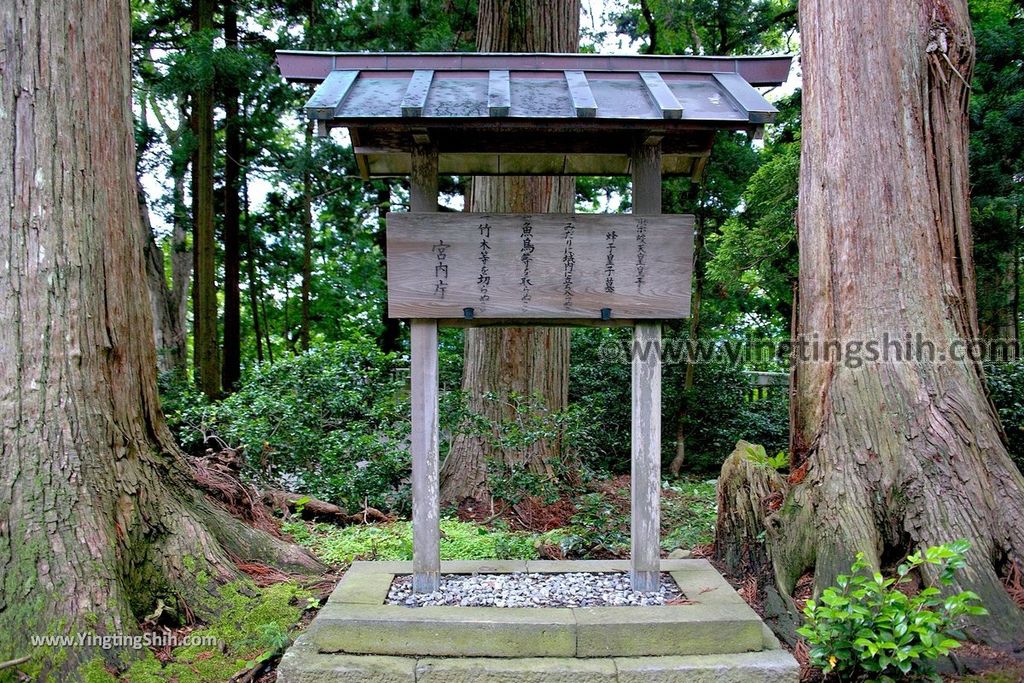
column 585, row 267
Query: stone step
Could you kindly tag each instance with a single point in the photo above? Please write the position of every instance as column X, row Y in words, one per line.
column 355, row 620
column 303, row 663
column 536, row 632
column 716, row 638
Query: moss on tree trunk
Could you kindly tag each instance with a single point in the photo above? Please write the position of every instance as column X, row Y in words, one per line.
column 98, row 513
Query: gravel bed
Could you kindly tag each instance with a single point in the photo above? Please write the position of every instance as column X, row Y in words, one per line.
column 574, row 589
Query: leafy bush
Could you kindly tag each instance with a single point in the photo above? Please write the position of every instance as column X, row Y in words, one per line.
column 757, row 455
column 601, row 386
column 717, row 411
column 332, row 422
column 868, row 628
column 525, row 421
column 459, row 541
column 1006, row 386
column 689, row 510
column 598, row 528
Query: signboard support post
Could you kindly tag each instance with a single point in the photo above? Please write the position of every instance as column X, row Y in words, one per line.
column 645, row 523
column 426, row 508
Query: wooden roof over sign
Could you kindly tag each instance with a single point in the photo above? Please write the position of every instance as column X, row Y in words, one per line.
column 522, row 114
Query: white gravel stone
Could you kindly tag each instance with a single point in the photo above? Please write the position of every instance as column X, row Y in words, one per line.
column 574, row 589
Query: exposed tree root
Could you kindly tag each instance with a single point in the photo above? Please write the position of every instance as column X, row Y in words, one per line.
column 311, row 508
column 819, row 527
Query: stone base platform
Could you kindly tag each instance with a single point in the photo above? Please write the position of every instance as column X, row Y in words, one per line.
column 716, row 637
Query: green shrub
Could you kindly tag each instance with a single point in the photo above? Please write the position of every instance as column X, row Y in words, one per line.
column 868, row 629
column 718, row 413
column 757, row 455
column 689, row 512
column 602, row 385
column 526, row 421
column 459, row 541
column 1006, row 386
column 597, row 529
column 332, row 423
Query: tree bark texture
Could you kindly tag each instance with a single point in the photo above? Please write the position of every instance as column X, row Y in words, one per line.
column 98, row 514
column 528, row 361
column 204, row 295
column 892, row 456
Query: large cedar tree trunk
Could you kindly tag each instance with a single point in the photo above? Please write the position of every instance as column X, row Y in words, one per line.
column 893, row 456
column 98, row 514
column 526, row 360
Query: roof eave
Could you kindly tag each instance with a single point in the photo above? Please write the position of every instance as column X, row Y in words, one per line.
column 311, row 67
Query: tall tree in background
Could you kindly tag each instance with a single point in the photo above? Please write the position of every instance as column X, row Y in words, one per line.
column 170, row 332
column 527, row 360
column 708, row 27
column 204, row 286
column 169, row 110
column 234, row 150
column 98, row 508
column 997, row 164
column 891, row 456
column 311, row 268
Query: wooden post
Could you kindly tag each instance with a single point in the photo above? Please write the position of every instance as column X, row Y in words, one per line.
column 423, row 180
column 645, row 529
column 426, row 508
